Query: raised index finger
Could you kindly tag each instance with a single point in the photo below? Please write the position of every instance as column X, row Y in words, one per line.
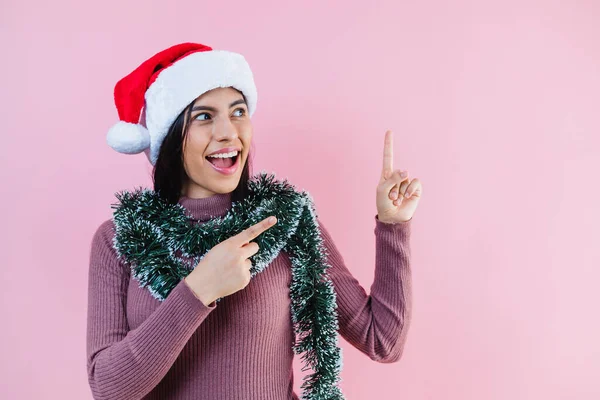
column 388, row 153
column 253, row 231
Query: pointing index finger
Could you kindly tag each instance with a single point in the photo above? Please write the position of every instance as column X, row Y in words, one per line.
column 388, row 153
column 255, row 230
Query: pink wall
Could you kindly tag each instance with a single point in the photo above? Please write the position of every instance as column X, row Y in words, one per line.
column 494, row 108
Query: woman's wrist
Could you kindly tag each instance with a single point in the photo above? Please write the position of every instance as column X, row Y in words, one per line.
column 203, row 295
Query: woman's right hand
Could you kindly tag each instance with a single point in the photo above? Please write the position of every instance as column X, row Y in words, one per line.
column 225, row 269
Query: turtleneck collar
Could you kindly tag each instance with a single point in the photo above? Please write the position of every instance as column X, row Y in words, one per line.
column 205, row 208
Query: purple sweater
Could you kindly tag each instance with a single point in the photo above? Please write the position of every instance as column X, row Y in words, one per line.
column 241, row 347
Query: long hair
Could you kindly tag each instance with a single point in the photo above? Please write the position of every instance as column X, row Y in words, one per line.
column 169, row 174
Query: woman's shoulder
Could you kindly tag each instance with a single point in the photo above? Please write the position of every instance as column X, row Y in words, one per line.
column 104, row 234
column 103, row 254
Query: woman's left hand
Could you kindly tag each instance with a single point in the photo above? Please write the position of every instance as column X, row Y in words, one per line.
column 397, row 195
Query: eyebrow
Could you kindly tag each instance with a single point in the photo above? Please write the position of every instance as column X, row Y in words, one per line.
column 239, row 101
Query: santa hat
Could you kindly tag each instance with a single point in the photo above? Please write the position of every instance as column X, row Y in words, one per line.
column 164, row 85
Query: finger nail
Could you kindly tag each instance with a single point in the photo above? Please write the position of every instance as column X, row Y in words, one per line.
column 394, row 195
column 403, row 174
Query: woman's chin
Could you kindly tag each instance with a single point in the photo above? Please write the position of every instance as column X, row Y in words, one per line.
column 226, row 184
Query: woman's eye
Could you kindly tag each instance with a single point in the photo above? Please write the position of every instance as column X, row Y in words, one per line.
column 200, row 119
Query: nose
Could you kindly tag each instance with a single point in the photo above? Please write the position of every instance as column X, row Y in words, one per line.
column 224, row 130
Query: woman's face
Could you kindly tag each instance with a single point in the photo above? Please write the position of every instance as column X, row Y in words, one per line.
column 219, row 119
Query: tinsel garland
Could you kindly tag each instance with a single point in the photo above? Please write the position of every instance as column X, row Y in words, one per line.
column 151, row 234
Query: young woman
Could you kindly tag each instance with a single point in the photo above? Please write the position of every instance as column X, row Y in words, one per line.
column 194, row 291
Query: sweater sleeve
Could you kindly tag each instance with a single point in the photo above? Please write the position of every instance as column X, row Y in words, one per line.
column 375, row 324
column 123, row 363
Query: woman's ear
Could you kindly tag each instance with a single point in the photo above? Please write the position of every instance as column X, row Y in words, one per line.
column 143, row 117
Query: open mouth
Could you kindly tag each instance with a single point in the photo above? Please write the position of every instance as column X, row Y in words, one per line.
column 223, row 162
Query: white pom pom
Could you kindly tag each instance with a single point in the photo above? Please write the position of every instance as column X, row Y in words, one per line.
column 128, row 138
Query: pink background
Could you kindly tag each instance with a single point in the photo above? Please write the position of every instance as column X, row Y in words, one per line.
column 494, row 107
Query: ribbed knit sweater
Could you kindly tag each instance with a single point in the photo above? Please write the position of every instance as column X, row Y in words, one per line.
column 241, row 347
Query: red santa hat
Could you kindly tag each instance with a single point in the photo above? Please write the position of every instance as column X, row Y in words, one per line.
column 164, row 85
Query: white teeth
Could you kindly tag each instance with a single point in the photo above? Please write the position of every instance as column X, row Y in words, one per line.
column 225, row 155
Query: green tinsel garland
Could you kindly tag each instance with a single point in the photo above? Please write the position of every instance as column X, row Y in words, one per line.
column 150, row 233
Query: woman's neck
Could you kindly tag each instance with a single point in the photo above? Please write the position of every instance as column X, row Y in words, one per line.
column 203, row 209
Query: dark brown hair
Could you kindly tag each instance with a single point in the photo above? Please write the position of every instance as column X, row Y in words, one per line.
column 169, row 174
